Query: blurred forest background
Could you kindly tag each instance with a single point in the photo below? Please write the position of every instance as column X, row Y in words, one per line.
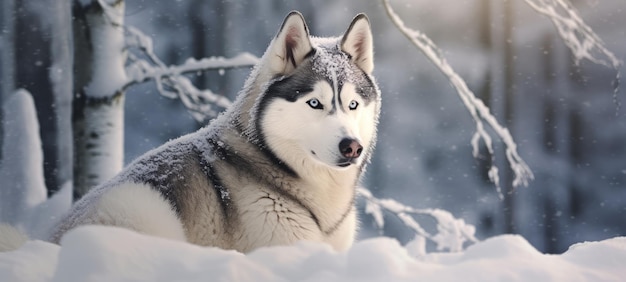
column 568, row 126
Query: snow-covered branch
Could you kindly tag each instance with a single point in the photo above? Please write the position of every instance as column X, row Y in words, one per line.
column 452, row 233
column 478, row 110
column 578, row 36
column 145, row 65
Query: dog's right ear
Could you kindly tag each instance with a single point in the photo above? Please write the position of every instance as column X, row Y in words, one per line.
column 291, row 45
column 357, row 42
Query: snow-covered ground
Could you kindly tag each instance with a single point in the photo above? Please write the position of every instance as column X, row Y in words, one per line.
column 97, row 253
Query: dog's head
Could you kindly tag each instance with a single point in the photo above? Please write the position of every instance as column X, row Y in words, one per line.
column 321, row 104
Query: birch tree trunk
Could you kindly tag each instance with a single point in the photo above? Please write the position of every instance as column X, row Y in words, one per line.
column 98, row 106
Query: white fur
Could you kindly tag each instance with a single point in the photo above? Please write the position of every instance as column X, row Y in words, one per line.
column 331, row 187
column 138, row 207
column 268, row 220
column 11, row 238
column 313, row 135
column 293, row 130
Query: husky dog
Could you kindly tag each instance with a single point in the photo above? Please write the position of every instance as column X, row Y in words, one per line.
column 280, row 165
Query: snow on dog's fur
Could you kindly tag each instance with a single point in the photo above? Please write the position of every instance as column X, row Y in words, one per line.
column 280, row 165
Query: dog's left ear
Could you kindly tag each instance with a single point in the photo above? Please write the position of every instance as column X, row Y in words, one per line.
column 357, row 42
column 291, row 45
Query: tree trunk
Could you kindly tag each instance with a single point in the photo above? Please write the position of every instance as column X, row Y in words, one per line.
column 32, row 54
column 61, row 78
column 509, row 91
column 7, row 62
column 98, row 106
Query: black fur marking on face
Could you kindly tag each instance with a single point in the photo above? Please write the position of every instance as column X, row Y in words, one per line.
column 366, row 89
column 339, row 90
column 292, row 87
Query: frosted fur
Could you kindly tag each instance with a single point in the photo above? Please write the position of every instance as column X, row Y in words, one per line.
column 248, row 179
column 11, row 238
column 329, row 61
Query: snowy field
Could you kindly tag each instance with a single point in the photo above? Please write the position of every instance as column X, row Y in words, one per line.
column 97, row 253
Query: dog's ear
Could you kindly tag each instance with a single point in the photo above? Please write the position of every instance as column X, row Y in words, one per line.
column 357, row 42
column 291, row 45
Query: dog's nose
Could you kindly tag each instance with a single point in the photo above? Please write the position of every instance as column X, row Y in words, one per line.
column 350, row 148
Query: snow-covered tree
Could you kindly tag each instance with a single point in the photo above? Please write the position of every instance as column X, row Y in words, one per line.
column 21, row 168
column 98, row 107
column 102, row 45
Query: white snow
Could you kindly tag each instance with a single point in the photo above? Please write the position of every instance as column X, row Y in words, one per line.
column 108, row 51
column 21, row 169
column 39, row 221
column 97, row 253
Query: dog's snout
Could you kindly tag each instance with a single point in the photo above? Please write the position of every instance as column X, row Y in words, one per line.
column 350, row 148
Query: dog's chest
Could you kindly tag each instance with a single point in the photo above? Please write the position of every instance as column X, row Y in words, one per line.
column 267, row 218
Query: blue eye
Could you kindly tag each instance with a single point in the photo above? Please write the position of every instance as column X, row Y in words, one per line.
column 353, row 105
column 315, row 104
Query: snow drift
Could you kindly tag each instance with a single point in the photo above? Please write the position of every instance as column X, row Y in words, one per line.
column 22, row 184
column 98, row 253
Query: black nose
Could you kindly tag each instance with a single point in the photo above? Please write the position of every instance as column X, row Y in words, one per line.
column 350, row 148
